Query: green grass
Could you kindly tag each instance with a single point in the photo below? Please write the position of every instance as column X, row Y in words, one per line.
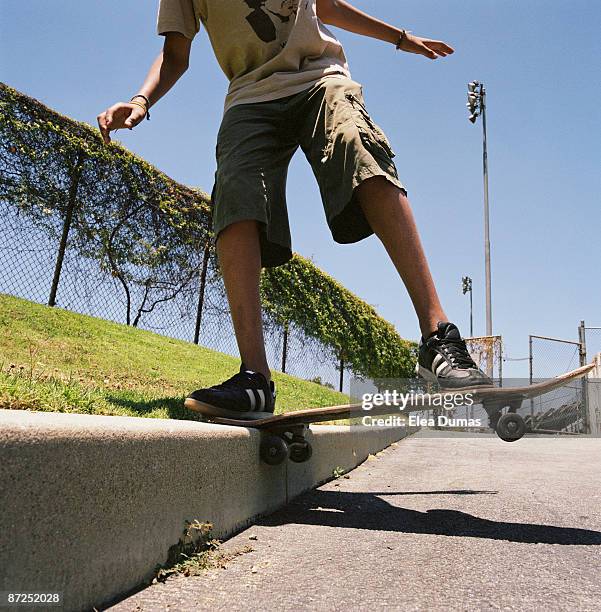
column 56, row 360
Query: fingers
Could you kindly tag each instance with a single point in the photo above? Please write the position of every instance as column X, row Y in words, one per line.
column 118, row 116
column 104, row 131
column 105, row 124
column 439, row 47
column 135, row 116
column 109, row 119
column 425, row 50
column 420, row 47
column 435, row 48
column 432, row 49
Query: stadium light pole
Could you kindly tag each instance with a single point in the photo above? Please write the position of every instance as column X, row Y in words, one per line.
column 466, row 283
column 476, row 103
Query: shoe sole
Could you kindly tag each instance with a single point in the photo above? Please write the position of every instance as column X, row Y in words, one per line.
column 224, row 413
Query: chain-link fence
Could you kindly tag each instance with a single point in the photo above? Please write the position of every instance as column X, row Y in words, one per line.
column 197, row 311
column 562, row 410
column 550, row 357
column 97, row 230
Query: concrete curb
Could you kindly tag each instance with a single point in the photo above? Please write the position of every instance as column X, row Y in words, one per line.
column 90, row 504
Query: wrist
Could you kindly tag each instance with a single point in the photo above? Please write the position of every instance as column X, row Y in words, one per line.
column 400, row 39
column 142, row 97
column 137, row 100
column 394, row 35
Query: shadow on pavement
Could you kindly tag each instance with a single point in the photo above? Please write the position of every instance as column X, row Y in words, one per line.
column 368, row 511
column 450, row 492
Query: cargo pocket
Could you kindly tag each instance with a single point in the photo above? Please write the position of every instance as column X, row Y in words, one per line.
column 335, row 116
column 370, row 131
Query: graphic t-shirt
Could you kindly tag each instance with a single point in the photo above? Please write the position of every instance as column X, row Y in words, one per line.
column 268, row 49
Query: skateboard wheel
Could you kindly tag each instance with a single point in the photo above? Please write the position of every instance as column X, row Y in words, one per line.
column 273, row 450
column 511, row 427
column 300, row 452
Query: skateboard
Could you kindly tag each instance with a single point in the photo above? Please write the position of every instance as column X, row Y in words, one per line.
column 285, row 433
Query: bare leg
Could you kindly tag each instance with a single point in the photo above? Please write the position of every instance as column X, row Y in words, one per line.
column 240, row 261
column 388, row 212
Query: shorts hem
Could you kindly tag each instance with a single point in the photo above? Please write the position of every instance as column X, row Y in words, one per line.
column 240, row 215
column 367, row 172
column 357, row 227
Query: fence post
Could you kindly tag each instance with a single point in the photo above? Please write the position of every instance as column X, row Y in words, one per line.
column 201, row 292
column 582, row 340
column 341, row 372
column 500, row 361
column 285, row 347
column 530, row 367
column 585, row 403
column 66, row 228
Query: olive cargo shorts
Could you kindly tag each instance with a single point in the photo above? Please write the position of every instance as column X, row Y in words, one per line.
column 257, row 141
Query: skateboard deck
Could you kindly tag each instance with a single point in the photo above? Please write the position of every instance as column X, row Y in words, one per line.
column 287, row 430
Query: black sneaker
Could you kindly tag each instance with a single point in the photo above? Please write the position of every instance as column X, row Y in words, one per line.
column 246, row 395
column 444, row 359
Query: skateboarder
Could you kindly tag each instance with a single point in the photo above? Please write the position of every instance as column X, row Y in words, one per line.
column 290, row 86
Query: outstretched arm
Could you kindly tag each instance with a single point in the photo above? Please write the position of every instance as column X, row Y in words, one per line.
column 166, row 69
column 342, row 15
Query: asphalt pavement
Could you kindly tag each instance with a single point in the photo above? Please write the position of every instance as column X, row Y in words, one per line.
column 435, row 522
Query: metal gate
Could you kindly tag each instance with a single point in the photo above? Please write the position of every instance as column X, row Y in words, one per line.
column 562, row 410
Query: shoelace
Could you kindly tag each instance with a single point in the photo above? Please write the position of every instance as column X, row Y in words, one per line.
column 457, row 352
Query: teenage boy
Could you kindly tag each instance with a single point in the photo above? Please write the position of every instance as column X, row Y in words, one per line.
column 290, row 86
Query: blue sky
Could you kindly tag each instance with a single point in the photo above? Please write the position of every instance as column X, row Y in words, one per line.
column 540, row 63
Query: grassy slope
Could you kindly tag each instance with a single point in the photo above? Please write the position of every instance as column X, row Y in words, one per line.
column 55, row 360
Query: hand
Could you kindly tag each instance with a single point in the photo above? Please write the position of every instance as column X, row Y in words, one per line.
column 120, row 115
column 426, row 47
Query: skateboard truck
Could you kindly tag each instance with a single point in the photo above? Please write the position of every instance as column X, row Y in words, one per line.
column 286, row 442
column 509, row 426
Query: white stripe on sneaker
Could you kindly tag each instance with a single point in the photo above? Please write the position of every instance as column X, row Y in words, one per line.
column 436, row 362
column 262, row 398
column 251, row 396
column 440, row 368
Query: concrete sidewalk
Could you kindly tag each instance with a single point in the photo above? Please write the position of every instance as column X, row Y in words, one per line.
column 432, row 523
column 90, row 505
